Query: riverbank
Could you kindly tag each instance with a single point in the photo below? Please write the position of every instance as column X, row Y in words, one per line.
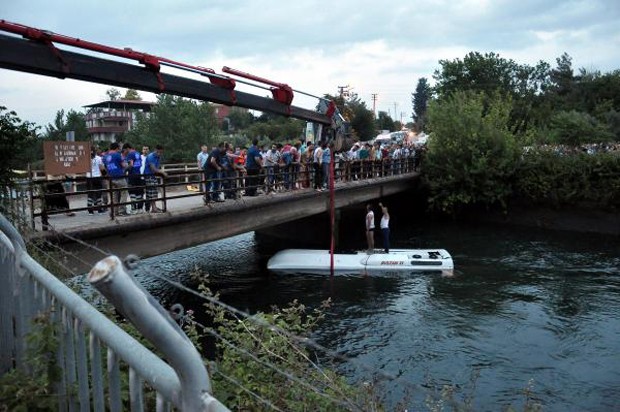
column 574, row 219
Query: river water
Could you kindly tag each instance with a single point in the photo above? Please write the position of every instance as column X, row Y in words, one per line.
column 526, row 309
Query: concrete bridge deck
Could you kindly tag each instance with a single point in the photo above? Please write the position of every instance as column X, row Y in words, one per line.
column 189, row 222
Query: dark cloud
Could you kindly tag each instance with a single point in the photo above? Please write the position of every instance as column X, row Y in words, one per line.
column 381, row 46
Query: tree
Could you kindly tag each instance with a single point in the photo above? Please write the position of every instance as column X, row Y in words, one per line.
column 384, row 121
column 180, row 125
column 489, row 74
column 113, row 93
column 73, row 121
column 18, row 140
column 363, row 120
column 132, row 94
column 562, row 78
column 471, row 153
column 240, row 118
column 276, row 128
column 419, row 100
column 574, row 128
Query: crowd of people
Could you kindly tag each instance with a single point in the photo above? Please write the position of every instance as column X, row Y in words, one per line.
column 565, row 150
column 280, row 167
column 133, row 177
column 130, row 173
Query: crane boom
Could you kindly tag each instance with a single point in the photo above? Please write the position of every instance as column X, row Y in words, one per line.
column 36, row 53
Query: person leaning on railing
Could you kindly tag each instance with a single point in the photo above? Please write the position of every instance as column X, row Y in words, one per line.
column 306, row 169
column 253, row 165
column 152, row 168
column 94, row 183
column 116, row 167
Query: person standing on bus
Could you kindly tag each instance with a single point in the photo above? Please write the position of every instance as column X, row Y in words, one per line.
column 385, row 227
column 370, row 228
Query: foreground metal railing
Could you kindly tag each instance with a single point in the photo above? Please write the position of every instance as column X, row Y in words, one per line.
column 94, row 354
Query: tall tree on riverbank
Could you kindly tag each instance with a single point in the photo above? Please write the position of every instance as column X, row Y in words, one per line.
column 489, row 73
column 472, row 155
column 541, row 95
column 420, row 100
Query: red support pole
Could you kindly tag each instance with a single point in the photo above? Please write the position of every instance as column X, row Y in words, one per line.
column 332, row 212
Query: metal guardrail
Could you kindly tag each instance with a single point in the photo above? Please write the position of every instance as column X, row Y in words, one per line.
column 36, row 197
column 27, row 289
column 228, row 185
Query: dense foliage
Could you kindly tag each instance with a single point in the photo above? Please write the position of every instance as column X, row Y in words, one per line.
column 489, row 73
column 419, row 100
column 544, row 98
column 269, row 127
column 34, row 388
column 63, row 123
column 180, row 125
column 488, row 110
column 472, row 155
column 552, row 178
column 18, row 141
column 268, row 337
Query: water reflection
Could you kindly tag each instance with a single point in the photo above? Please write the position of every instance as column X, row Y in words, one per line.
column 523, row 304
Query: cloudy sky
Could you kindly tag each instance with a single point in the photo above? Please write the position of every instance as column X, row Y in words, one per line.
column 380, row 47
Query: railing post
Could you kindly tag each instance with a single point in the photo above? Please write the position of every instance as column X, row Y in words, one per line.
column 110, row 197
column 163, row 189
column 31, row 195
column 111, row 279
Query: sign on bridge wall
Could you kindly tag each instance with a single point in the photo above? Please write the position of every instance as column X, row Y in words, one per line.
column 63, row 158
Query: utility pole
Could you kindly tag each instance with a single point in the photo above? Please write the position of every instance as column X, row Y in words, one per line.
column 374, row 104
column 395, row 114
column 343, row 91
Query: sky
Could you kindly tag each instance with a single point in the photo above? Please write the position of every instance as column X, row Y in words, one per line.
column 373, row 47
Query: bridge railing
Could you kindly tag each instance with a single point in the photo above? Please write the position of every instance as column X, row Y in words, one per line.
column 66, row 196
column 93, row 354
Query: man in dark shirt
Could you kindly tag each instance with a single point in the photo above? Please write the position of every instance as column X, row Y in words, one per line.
column 253, row 164
column 116, row 168
column 214, row 172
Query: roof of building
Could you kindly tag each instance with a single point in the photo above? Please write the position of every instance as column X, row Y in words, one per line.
column 123, row 104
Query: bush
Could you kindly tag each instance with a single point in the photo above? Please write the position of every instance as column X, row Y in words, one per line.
column 574, row 128
column 242, row 379
column 549, row 178
column 472, row 155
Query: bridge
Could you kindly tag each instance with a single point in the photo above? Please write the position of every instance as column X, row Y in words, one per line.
column 188, row 221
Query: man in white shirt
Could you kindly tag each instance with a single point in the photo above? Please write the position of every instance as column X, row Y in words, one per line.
column 201, row 161
column 272, row 159
column 370, row 228
column 94, row 183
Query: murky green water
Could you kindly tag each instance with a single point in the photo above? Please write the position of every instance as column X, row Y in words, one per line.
column 526, row 307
